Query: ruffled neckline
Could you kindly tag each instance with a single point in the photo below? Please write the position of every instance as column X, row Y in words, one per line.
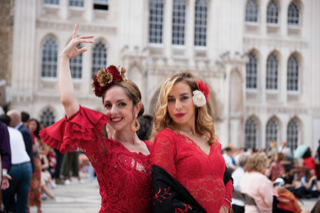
column 140, row 154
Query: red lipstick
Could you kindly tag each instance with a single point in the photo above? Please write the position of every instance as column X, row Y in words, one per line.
column 180, row 115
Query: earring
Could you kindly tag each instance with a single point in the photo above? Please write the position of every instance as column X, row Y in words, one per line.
column 135, row 125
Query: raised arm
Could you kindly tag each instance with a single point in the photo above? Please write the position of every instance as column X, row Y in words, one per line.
column 66, row 90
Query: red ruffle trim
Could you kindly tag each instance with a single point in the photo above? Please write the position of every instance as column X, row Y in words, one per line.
column 82, row 127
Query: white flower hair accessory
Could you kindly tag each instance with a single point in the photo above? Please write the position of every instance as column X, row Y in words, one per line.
column 198, row 98
column 201, row 96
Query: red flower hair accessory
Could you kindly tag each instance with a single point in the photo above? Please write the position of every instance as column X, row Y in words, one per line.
column 201, row 96
column 105, row 77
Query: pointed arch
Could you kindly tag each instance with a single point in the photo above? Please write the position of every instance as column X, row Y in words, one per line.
column 272, row 75
column 272, row 131
column 293, row 134
column 99, row 57
column 252, row 133
column 293, row 73
column 47, row 117
column 273, row 11
column 252, row 11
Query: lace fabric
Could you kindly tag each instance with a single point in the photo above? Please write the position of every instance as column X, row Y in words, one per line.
column 199, row 173
column 124, row 177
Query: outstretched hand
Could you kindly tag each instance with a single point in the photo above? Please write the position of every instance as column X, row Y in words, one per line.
column 71, row 50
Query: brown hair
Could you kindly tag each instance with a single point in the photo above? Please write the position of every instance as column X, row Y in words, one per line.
column 162, row 119
column 131, row 90
column 257, row 162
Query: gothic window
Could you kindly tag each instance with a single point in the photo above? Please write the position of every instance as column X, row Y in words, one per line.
column 76, row 65
column 251, row 133
column 51, row 2
column 200, row 23
column 178, row 22
column 293, row 15
column 99, row 58
column 156, row 22
column 49, row 58
column 101, row 5
column 252, row 11
column 76, row 3
column 272, row 132
column 273, row 13
column 293, row 131
column 272, row 72
column 252, row 72
column 293, row 74
column 47, row 118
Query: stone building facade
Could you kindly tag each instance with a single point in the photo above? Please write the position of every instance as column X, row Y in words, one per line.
column 260, row 59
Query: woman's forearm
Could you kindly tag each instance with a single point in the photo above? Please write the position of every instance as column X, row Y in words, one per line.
column 66, row 90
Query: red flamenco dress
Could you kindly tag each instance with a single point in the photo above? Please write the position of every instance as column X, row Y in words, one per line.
column 124, row 177
column 201, row 174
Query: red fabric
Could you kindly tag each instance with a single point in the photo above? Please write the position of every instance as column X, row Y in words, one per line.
column 124, row 177
column 32, row 134
column 309, row 163
column 199, row 173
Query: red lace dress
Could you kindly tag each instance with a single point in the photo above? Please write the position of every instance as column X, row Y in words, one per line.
column 124, row 177
column 199, row 173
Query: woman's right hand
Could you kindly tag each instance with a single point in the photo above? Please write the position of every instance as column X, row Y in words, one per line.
column 71, row 49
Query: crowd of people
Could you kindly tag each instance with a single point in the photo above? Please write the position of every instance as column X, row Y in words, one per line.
column 181, row 168
column 267, row 174
column 30, row 165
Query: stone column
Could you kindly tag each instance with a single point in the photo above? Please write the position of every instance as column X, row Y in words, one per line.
column 167, row 29
column 23, row 58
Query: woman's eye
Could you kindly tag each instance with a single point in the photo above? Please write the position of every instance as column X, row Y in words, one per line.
column 184, row 98
column 107, row 105
column 123, row 104
column 170, row 100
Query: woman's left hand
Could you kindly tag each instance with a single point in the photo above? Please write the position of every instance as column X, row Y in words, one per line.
column 224, row 209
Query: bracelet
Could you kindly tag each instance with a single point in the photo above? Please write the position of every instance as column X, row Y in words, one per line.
column 4, row 173
column 228, row 201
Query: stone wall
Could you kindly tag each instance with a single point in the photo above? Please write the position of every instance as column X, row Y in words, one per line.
column 6, row 42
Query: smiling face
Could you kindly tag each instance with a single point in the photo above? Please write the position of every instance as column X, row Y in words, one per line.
column 119, row 108
column 180, row 104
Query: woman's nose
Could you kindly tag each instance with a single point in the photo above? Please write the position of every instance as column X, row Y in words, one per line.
column 178, row 105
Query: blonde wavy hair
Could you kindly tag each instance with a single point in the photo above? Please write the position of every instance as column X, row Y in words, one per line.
column 257, row 162
column 162, row 120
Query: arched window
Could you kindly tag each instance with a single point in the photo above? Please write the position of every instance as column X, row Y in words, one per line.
column 76, row 65
column 49, row 58
column 252, row 72
column 272, row 72
column 273, row 13
column 293, row 132
column 99, row 58
column 272, row 132
column 252, row 11
column 293, row 74
column 200, row 23
column 47, row 118
column 293, row 15
column 178, row 22
column 156, row 22
column 251, row 133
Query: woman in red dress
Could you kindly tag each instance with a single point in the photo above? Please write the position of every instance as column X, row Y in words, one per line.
column 122, row 162
column 185, row 146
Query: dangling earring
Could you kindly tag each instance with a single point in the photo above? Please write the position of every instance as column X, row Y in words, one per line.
column 135, row 125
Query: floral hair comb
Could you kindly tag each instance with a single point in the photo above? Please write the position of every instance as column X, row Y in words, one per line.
column 105, row 77
column 201, row 96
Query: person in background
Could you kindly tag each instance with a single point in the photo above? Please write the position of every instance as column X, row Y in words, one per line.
column 238, row 154
column 71, row 163
column 238, row 205
column 25, row 117
column 17, row 124
column 257, row 185
column 34, row 198
column 228, row 159
column 46, row 177
column 289, row 182
column 273, row 149
column 309, row 162
column 5, row 151
column 145, row 130
column 20, row 172
column 307, row 183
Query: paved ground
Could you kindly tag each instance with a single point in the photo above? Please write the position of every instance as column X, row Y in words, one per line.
column 85, row 198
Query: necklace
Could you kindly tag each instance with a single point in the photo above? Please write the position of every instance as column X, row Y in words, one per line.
column 189, row 132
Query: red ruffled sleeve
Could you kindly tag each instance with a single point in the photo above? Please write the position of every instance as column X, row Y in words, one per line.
column 164, row 151
column 69, row 133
